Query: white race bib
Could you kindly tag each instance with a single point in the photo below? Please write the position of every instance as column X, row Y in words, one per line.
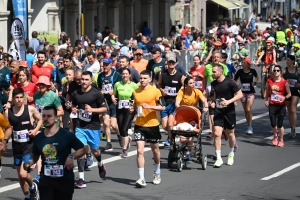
column 106, row 88
column 277, row 98
column 198, row 84
column 74, row 115
column 124, row 104
column 171, row 91
column 85, row 116
column 139, row 111
column 245, row 87
column 218, row 105
column 21, row 136
column 292, row 82
column 54, row 170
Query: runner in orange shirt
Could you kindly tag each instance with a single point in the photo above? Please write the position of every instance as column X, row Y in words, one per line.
column 41, row 67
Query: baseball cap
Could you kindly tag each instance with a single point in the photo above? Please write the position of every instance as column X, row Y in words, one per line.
column 113, row 54
column 188, row 25
column 99, row 35
column 211, row 31
column 295, row 26
column 107, row 60
column 139, row 51
column 247, row 60
column 155, row 49
column 43, row 80
column 159, row 39
column 171, row 56
column 23, row 64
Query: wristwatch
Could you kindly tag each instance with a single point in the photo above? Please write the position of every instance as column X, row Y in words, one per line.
column 71, row 156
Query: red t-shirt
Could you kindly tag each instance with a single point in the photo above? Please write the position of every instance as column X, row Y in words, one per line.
column 277, row 91
column 44, row 70
column 198, row 80
column 29, row 90
column 34, row 79
column 13, row 79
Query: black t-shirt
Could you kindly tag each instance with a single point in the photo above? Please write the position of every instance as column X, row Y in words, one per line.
column 225, row 89
column 246, row 80
column 171, row 83
column 93, row 98
column 154, row 67
column 73, row 87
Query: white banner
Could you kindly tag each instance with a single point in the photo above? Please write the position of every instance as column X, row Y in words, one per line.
column 18, row 34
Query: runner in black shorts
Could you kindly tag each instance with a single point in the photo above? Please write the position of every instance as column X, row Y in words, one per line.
column 226, row 92
column 147, row 100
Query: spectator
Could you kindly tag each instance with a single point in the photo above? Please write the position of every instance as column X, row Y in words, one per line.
column 139, row 63
column 99, row 40
column 125, row 49
column 186, row 29
column 34, row 43
column 106, row 32
column 146, row 31
column 30, row 57
column 61, row 36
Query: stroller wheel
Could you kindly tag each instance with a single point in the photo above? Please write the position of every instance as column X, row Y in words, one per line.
column 179, row 162
column 204, row 161
column 170, row 158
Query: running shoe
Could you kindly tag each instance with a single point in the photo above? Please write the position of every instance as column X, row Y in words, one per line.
column 103, row 138
column 102, row 171
column 230, row 160
column 157, row 179
column 249, row 130
column 34, row 193
column 275, row 141
column 129, row 141
column 90, row 160
column 210, row 135
column 80, row 184
column 130, row 132
column 293, row 133
column 218, row 163
column 36, row 179
column 108, row 147
column 141, row 183
column 124, row 154
column 120, row 141
column 280, row 143
column 235, row 147
column 167, row 143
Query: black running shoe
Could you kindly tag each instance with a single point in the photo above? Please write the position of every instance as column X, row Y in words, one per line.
column 34, row 193
column 108, row 147
column 102, row 171
column 80, row 184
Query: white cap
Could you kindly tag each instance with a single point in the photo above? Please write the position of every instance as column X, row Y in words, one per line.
column 188, row 25
column 211, row 31
column 272, row 39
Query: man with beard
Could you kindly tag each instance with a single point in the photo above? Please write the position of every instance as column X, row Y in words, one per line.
column 21, row 117
column 41, row 67
column 54, row 145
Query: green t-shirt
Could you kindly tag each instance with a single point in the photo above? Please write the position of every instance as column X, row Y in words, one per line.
column 48, row 99
column 203, row 45
column 124, row 91
column 297, row 55
column 208, row 72
column 55, row 150
column 242, row 52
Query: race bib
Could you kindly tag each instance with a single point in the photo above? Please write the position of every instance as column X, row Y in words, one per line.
column 139, row 111
column 292, row 82
column 277, row 98
column 40, row 108
column 218, row 105
column 54, row 170
column 124, row 104
column 171, row 91
column 74, row 115
column 198, row 84
column 21, row 136
column 106, row 88
column 245, row 87
column 85, row 116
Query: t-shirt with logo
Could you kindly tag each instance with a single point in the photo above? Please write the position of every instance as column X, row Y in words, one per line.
column 54, row 152
column 44, row 70
column 48, row 99
column 198, row 81
column 124, row 91
column 154, row 67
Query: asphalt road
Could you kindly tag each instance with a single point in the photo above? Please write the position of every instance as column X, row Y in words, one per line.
column 256, row 159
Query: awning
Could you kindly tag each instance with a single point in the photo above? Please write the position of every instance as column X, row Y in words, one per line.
column 226, row 4
column 239, row 3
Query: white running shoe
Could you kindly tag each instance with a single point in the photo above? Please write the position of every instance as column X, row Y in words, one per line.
column 141, row 183
column 218, row 163
column 230, row 160
column 157, row 179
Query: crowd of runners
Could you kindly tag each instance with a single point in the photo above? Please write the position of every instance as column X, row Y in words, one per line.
column 63, row 100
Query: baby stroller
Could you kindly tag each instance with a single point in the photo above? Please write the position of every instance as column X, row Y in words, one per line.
column 177, row 151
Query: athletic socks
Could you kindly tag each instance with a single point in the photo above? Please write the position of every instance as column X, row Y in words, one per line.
column 81, row 175
column 218, row 153
column 98, row 158
column 157, row 169
column 231, row 150
column 141, row 173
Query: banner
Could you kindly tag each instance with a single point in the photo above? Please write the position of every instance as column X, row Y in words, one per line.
column 17, row 33
column 20, row 12
column 51, row 36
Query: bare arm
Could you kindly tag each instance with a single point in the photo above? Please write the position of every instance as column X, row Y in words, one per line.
column 60, row 111
column 37, row 116
column 288, row 91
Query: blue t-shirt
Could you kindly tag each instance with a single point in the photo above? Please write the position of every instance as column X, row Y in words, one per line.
column 30, row 59
column 231, row 70
column 124, row 50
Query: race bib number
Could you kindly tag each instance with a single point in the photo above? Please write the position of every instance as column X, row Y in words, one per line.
column 54, row 170
column 198, row 84
column 106, row 88
column 139, row 111
column 85, row 116
column 124, row 104
column 218, row 103
column 245, row 87
column 21, row 136
column 74, row 115
column 292, row 82
column 171, row 91
column 40, row 108
column 277, row 98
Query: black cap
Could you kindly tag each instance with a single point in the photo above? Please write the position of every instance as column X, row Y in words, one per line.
column 155, row 49
column 113, row 54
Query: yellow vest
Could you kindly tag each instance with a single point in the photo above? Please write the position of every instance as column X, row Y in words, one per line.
column 280, row 37
column 292, row 36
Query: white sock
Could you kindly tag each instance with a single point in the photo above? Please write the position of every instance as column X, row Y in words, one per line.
column 218, row 153
column 157, row 169
column 141, row 173
column 231, row 150
column 100, row 163
column 81, row 175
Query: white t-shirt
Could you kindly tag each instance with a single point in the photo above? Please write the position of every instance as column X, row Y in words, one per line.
column 234, row 29
column 62, row 46
column 196, row 44
column 230, row 40
column 94, row 68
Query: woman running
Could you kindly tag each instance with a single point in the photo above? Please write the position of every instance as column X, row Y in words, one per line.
column 246, row 76
column 28, row 87
column 197, row 72
column 278, row 90
column 122, row 97
column 291, row 74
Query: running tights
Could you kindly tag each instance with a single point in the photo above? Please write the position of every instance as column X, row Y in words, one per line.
column 124, row 120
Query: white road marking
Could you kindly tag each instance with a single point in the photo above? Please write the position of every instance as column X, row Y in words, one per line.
column 281, row 172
